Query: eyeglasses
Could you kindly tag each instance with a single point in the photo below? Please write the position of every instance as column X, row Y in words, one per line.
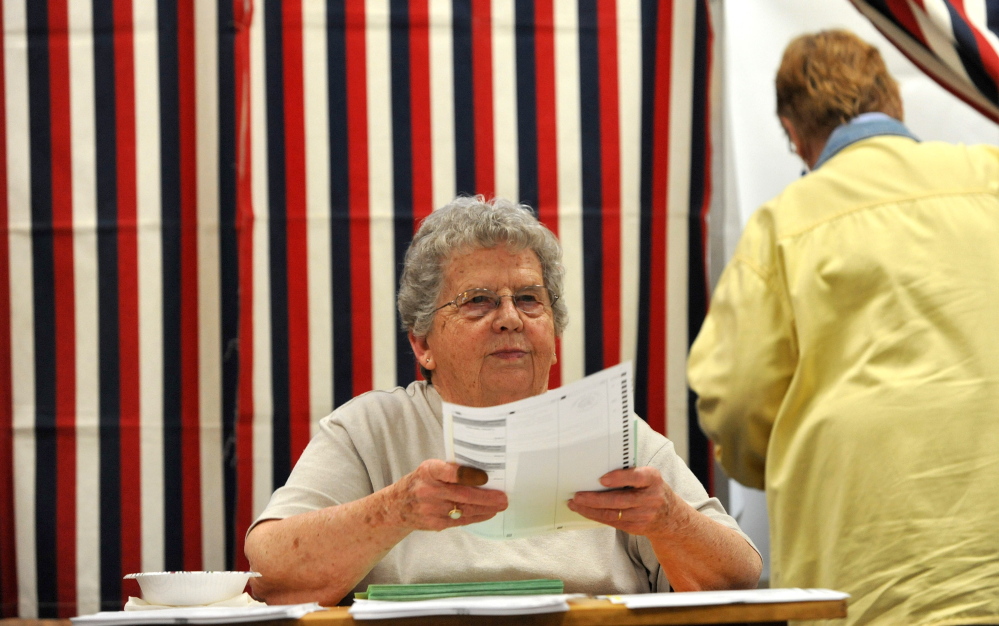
column 530, row 301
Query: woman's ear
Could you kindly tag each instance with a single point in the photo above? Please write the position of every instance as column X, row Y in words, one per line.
column 422, row 350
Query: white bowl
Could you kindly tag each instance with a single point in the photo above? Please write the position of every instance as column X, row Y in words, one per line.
column 191, row 588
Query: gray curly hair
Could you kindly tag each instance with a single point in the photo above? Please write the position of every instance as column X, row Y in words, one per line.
column 466, row 224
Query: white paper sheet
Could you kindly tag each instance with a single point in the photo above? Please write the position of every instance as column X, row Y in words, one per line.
column 197, row 615
column 543, row 449
column 471, row 605
column 741, row 596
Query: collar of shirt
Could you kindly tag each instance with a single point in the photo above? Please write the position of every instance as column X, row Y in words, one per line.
column 861, row 127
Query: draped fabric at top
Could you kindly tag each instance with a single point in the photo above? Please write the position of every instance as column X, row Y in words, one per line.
column 204, row 206
column 954, row 41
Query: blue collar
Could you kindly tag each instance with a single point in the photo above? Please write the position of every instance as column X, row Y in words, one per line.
column 861, row 127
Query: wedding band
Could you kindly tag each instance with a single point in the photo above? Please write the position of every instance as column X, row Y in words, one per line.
column 454, row 513
column 619, row 514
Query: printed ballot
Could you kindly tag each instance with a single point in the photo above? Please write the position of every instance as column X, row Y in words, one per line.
column 543, row 449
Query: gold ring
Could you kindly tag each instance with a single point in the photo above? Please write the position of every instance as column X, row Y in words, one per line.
column 454, row 513
column 619, row 514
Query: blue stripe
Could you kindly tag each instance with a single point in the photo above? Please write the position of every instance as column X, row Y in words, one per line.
column 527, row 102
column 107, row 283
column 340, row 225
column 170, row 237
column 228, row 267
column 464, row 100
column 699, row 459
column 593, row 253
column 650, row 18
column 40, row 132
column 971, row 57
column 402, row 173
column 281, row 449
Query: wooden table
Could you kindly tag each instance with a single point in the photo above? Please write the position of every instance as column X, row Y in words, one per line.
column 582, row 612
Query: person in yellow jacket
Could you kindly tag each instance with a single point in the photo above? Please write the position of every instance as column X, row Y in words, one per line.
column 849, row 363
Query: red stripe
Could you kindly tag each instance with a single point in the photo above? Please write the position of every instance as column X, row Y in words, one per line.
column 65, row 306
column 482, row 85
column 420, row 105
column 903, row 14
column 360, row 241
column 242, row 16
column 656, row 410
column 547, row 125
column 189, row 333
column 128, row 291
column 610, row 152
column 297, row 240
column 8, row 564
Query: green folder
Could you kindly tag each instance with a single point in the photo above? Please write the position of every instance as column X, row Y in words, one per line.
column 430, row 591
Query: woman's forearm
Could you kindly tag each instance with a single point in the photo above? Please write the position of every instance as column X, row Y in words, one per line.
column 321, row 556
column 700, row 554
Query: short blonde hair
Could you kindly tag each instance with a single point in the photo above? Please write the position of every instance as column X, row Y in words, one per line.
column 830, row 77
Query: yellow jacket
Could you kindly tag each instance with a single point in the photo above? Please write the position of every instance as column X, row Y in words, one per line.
column 849, row 365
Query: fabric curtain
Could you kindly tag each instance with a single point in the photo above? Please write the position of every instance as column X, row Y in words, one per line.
column 204, row 209
column 956, row 42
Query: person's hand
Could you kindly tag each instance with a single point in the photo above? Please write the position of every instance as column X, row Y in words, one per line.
column 426, row 498
column 641, row 503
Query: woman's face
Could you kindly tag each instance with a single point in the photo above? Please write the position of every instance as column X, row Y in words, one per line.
column 503, row 356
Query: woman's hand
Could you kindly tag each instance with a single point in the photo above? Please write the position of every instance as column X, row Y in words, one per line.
column 696, row 552
column 425, row 498
column 641, row 503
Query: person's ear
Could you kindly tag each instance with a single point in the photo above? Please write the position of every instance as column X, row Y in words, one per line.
column 792, row 134
column 422, row 350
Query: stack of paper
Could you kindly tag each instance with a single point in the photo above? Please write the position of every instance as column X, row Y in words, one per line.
column 475, row 605
column 430, row 591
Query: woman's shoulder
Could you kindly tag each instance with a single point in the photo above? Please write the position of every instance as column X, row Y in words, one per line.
column 418, row 399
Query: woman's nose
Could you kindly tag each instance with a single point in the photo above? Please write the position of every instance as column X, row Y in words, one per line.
column 507, row 316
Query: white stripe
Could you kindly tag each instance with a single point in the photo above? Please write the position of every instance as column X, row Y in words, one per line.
column 263, row 406
column 81, row 94
column 442, row 102
column 150, row 277
column 570, row 211
column 317, row 188
column 22, row 309
column 937, row 29
column 678, row 223
column 206, row 44
column 380, row 176
column 629, row 67
column 504, row 76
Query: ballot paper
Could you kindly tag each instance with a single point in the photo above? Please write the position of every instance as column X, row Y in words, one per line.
column 543, row 449
column 476, row 605
column 738, row 596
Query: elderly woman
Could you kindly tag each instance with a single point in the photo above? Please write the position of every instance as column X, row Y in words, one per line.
column 370, row 499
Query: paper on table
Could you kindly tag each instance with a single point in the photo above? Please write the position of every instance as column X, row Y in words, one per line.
column 197, row 615
column 740, row 596
column 432, row 591
column 543, row 449
column 472, row 605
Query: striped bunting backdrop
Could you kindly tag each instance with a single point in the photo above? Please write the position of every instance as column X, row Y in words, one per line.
column 956, row 42
column 205, row 206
